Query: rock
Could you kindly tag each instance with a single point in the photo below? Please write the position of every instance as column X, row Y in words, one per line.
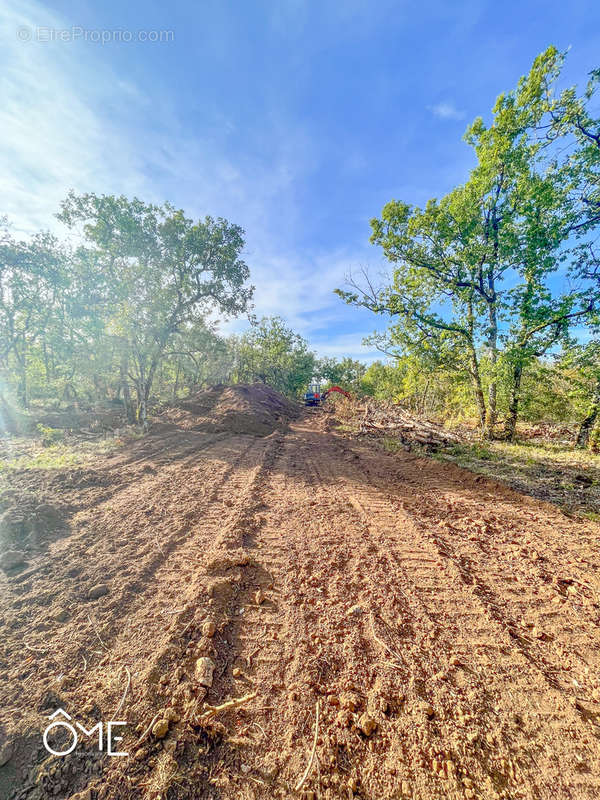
column 259, row 597
column 97, row 591
column 236, row 672
column 209, row 628
column 356, row 611
column 204, row 670
column 12, row 559
column 350, row 701
column 367, row 724
column 160, row 729
column 62, row 615
column 6, row 752
column 245, row 768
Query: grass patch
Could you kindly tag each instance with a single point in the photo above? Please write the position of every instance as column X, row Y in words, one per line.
column 548, row 470
column 23, row 453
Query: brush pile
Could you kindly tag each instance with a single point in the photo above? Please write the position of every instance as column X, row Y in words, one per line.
column 377, row 418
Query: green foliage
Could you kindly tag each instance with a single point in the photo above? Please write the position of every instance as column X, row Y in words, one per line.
column 472, row 271
column 272, row 353
column 49, row 436
column 122, row 311
column 347, row 373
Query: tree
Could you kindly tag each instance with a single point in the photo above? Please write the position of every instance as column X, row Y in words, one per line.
column 347, row 373
column 272, row 353
column 153, row 271
column 471, row 271
column 33, row 277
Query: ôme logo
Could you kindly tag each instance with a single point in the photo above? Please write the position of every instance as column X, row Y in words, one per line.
column 60, row 720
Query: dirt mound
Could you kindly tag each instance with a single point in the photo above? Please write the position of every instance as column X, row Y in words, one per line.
column 255, row 409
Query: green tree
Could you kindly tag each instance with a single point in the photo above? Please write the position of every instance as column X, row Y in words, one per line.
column 154, row 271
column 471, row 271
column 33, row 277
column 272, row 353
column 347, row 372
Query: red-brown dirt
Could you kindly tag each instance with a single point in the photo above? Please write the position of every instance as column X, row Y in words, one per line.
column 444, row 628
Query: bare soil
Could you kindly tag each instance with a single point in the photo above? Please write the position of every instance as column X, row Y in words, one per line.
column 442, row 628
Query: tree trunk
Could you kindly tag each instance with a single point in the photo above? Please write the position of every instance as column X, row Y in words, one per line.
column 490, row 423
column 129, row 409
column 478, row 389
column 513, row 405
column 23, row 387
column 588, row 423
column 176, row 384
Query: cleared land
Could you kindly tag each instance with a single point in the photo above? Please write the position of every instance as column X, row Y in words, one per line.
column 443, row 627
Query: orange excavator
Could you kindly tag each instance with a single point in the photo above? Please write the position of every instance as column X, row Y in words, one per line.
column 314, row 396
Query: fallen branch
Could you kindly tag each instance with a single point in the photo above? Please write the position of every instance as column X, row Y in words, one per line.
column 124, row 693
column 226, row 706
column 300, row 783
column 149, row 728
column 386, row 647
column 96, row 632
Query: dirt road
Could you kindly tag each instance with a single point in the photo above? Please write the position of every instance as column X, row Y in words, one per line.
column 443, row 629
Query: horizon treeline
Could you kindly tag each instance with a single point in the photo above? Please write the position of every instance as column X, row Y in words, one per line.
column 492, row 305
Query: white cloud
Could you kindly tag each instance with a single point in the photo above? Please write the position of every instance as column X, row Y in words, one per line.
column 67, row 121
column 447, row 110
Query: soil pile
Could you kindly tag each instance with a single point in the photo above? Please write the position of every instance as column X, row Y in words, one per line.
column 255, row 409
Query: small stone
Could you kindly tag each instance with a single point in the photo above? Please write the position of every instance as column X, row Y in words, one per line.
column 160, row 729
column 356, row 611
column 209, row 628
column 350, row 701
column 205, row 668
column 367, row 724
column 245, row 768
column 344, row 718
column 140, row 754
column 259, row 597
column 236, row 672
column 97, row 591
column 12, row 559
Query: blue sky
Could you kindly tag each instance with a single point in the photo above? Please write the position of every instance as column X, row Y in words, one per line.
column 297, row 120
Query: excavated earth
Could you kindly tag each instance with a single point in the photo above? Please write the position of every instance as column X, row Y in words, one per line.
column 391, row 626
